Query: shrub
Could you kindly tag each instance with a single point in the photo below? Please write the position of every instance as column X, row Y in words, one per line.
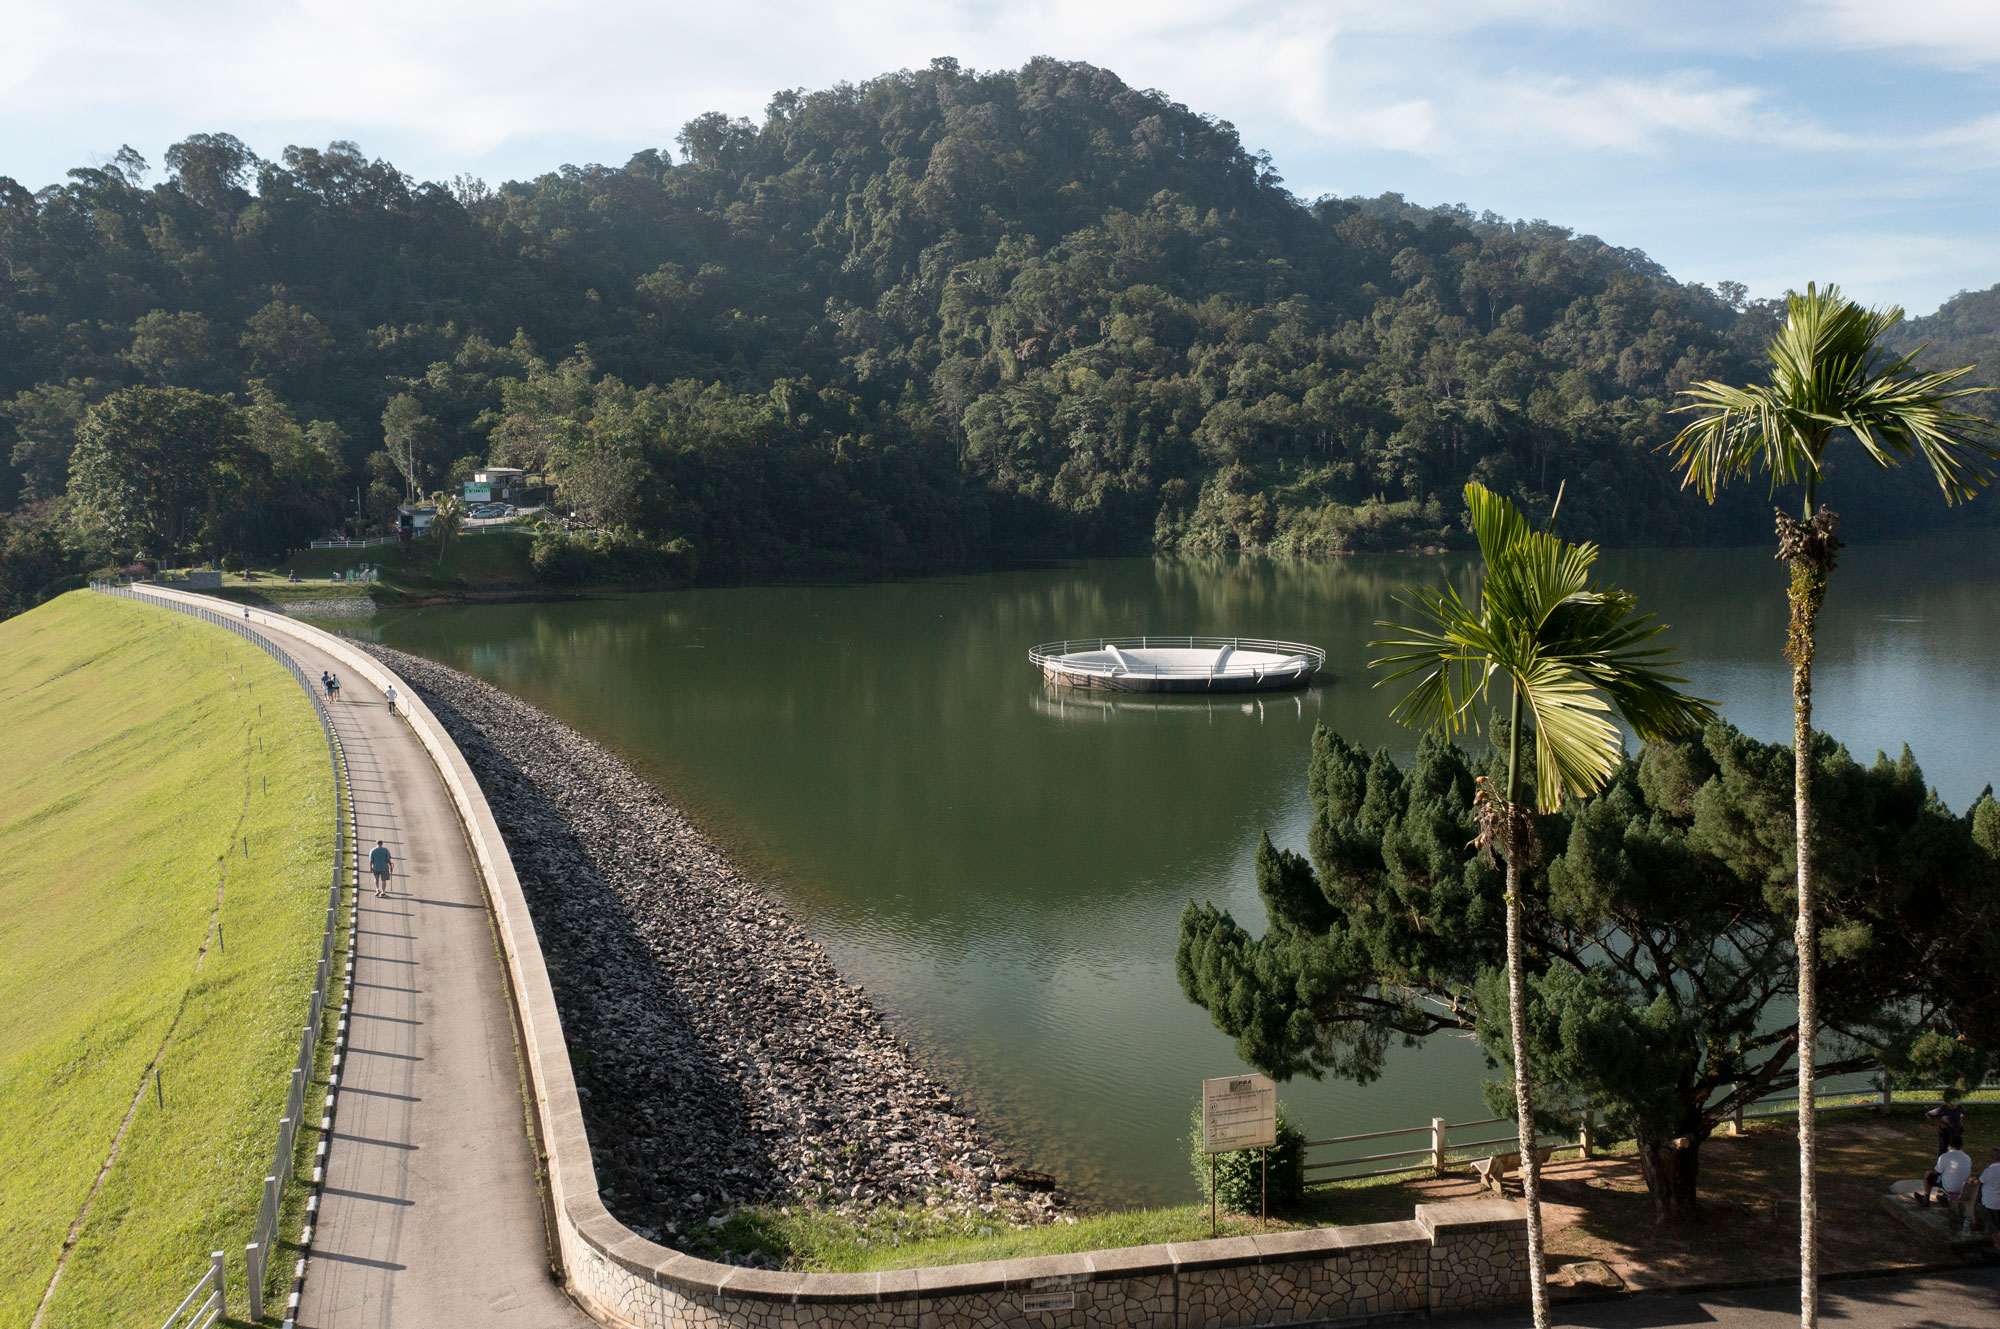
column 1956, row 1067
column 1238, row 1179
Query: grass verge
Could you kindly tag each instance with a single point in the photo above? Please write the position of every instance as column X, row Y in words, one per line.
column 907, row 1236
column 144, row 747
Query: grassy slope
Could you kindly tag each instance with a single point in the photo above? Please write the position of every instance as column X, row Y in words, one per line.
column 133, row 771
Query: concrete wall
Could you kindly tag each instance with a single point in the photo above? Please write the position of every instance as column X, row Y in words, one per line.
column 1450, row 1257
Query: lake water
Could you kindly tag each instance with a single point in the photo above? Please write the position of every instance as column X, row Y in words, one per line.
column 1004, row 867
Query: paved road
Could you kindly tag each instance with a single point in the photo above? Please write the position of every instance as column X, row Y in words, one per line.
column 1959, row 1300
column 431, row 1214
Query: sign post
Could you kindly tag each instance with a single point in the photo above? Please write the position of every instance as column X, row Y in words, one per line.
column 1238, row 1112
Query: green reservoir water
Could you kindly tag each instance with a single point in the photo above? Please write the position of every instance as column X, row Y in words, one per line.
column 1004, row 867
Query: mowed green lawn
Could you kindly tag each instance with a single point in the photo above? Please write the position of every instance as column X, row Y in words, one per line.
column 130, row 772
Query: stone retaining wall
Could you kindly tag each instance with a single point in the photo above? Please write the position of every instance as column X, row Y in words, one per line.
column 1450, row 1257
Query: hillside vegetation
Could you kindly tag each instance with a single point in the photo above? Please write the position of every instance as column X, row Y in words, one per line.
column 923, row 321
column 1964, row 331
column 134, row 771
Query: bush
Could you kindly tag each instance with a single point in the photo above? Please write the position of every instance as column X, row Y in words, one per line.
column 1934, row 1058
column 567, row 558
column 1238, row 1179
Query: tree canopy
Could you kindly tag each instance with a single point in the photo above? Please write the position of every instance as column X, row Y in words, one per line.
column 932, row 318
column 1659, row 956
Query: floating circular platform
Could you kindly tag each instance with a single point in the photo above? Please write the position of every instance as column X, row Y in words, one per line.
column 1177, row 664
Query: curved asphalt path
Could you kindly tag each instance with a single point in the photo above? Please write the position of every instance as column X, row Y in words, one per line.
column 431, row 1213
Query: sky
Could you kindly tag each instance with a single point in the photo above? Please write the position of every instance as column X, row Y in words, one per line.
column 1769, row 142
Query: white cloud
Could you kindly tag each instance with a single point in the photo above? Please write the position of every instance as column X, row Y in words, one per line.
column 1951, row 34
column 1915, row 269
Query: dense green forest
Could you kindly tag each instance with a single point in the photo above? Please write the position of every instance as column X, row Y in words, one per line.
column 935, row 319
column 1964, row 331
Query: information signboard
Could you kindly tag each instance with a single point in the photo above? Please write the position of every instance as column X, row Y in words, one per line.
column 1238, row 1112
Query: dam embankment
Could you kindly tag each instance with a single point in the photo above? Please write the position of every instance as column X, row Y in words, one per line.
column 720, row 1057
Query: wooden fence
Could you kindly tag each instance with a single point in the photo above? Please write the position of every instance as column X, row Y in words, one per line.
column 1431, row 1148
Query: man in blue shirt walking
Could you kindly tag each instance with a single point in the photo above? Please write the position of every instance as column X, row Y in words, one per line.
column 380, row 863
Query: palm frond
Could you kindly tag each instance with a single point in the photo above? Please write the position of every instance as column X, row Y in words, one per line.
column 1830, row 370
column 1577, row 747
column 1451, row 655
column 1574, row 653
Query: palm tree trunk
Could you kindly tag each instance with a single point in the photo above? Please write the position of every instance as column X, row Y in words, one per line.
column 1808, row 547
column 1515, row 838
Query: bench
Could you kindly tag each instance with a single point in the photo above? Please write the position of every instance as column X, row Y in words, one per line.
column 1492, row 1171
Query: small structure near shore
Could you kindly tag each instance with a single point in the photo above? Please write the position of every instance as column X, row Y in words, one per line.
column 1177, row 664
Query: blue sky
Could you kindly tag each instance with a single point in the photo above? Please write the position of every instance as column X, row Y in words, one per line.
column 1764, row 141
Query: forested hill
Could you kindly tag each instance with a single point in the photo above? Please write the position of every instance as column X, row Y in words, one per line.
column 930, row 319
column 1964, row 331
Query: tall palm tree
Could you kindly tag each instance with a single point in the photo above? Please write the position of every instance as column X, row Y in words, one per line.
column 1571, row 653
column 1831, row 375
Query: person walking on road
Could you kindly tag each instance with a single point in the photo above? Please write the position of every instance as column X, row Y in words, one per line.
column 335, row 685
column 326, row 682
column 381, row 865
column 391, row 694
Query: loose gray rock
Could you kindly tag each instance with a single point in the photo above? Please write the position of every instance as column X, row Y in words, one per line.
column 721, row 1060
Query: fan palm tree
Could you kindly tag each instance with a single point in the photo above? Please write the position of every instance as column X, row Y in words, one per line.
column 1831, row 375
column 1571, row 654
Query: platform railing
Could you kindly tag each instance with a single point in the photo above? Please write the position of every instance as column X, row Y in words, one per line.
column 1049, row 654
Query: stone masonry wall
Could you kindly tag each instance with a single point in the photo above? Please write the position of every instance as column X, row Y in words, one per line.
column 1478, row 1254
column 1453, row 1257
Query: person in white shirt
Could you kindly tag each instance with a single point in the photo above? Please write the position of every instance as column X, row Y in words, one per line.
column 1954, row 1167
column 1989, row 1197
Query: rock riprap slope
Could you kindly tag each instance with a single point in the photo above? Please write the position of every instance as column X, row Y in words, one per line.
column 721, row 1058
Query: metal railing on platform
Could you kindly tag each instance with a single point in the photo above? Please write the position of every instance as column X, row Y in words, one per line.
column 1051, row 653
column 264, row 1233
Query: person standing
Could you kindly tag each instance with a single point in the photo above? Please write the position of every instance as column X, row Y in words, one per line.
column 1989, row 1198
column 1950, row 1121
column 382, row 865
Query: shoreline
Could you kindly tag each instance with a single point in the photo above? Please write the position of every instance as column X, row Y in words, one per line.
column 722, row 1061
